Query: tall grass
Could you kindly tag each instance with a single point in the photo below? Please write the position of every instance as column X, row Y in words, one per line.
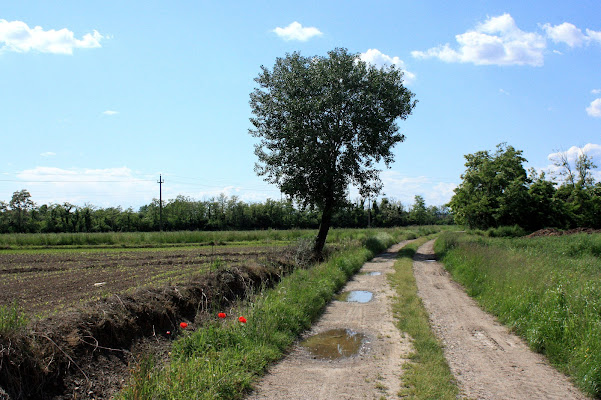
column 222, row 359
column 12, row 318
column 428, row 375
column 547, row 289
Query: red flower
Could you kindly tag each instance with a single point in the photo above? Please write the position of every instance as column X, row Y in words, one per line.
column 221, row 315
column 242, row 319
column 168, row 332
column 183, row 325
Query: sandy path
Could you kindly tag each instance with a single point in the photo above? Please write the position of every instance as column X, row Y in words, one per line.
column 487, row 360
column 372, row 374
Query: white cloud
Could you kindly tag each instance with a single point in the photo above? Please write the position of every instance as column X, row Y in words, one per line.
column 19, row 37
column 591, row 149
column 594, row 36
column 497, row 41
column 594, row 110
column 110, row 112
column 295, row 31
column 379, row 59
column 48, row 154
column 504, row 92
column 565, row 33
column 596, row 91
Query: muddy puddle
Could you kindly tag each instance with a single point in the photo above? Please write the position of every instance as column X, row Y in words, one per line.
column 371, row 273
column 334, row 344
column 355, row 296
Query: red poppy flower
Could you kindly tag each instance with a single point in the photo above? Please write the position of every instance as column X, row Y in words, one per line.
column 221, row 315
column 168, row 332
column 183, row 325
column 242, row 319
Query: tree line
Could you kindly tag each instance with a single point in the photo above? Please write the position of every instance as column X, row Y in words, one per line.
column 497, row 191
column 22, row 215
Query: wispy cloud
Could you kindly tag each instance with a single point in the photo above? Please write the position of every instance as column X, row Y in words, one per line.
column 497, row 41
column 110, row 112
column 101, row 187
column 19, row 37
column 379, row 59
column 404, row 188
column 295, row 31
column 48, row 154
column 504, row 92
column 594, row 110
column 596, row 91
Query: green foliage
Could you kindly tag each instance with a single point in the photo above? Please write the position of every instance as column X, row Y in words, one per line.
column 221, row 360
column 496, row 191
column 493, row 185
column 427, row 376
column 11, row 319
column 325, row 123
column 220, row 213
column 547, row 289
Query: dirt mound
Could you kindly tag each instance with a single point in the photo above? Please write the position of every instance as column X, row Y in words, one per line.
column 86, row 352
column 557, row 232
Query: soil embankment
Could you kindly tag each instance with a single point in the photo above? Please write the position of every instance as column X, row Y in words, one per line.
column 371, row 374
column 486, row 359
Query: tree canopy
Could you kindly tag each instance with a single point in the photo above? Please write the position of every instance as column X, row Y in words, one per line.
column 325, row 123
column 496, row 191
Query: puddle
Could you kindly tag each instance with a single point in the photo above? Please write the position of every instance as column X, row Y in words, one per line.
column 372, row 273
column 334, row 344
column 355, row 296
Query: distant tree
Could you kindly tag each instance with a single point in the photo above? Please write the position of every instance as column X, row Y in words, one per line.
column 323, row 124
column 20, row 205
column 418, row 214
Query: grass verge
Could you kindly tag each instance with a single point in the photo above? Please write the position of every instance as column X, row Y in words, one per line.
column 547, row 290
column 427, row 376
column 222, row 359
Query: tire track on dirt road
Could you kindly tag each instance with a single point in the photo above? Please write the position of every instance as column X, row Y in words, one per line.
column 373, row 373
column 487, row 360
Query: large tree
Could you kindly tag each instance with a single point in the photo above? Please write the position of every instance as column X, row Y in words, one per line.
column 325, row 123
column 493, row 191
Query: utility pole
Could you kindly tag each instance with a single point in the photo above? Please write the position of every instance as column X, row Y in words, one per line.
column 369, row 211
column 160, row 182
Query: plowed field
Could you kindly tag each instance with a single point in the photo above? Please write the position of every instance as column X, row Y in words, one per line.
column 44, row 281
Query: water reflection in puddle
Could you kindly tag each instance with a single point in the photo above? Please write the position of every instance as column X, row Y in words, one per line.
column 355, row 296
column 334, row 344
column 372, row 273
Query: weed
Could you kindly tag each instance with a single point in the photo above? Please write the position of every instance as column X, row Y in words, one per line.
column 11, row 319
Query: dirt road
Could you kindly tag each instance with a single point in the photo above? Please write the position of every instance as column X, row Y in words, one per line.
column 487, row 360
column 373, row 373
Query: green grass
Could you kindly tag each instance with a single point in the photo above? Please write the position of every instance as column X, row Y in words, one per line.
column 427, row 376
column 547, row 289
column 12, row 318
column 182, row 238
column 225, row 357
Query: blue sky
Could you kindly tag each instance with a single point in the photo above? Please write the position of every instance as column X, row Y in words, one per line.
column 100, row 98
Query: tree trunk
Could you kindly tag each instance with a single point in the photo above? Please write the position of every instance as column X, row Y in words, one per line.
column 324, row 227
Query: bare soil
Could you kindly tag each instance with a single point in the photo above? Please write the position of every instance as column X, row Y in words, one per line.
column 86, row 352
column 47, row 280
column 373, row 373
column 487, row 360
